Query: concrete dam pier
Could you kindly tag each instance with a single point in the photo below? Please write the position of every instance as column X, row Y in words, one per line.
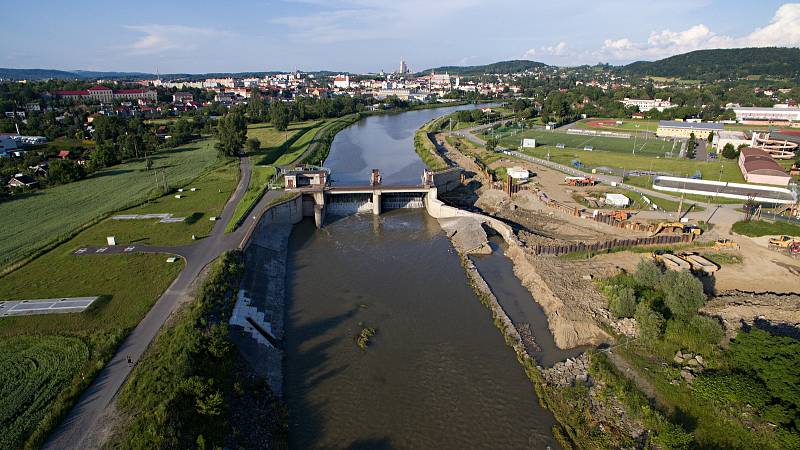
column 320, row 197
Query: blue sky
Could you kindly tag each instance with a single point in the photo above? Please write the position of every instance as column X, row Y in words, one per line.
column 372, row 35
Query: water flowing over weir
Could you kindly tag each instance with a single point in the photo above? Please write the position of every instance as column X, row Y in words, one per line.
column 437, row 373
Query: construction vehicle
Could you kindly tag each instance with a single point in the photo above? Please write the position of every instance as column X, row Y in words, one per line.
column 678, row 228
column 782, row 242
column 622, row 216
column 725, row 244
column 580, row 181
column 699, row 264
column 794, row 250
column 672, row 262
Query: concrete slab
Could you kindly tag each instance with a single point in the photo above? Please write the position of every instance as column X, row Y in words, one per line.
column 45, row 306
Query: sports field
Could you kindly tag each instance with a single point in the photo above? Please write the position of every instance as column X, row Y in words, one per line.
column 628, row 125
column 34, row 220
column 649, row 147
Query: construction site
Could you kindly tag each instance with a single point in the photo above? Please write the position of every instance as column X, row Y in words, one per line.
column 576, row 230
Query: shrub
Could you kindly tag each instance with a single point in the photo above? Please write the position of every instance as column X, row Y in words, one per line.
column 622, row 303
column 700, row 334
column 683, row 294
column 647, row 274
column 731, row 388
column 672, row 436
column 649, row 321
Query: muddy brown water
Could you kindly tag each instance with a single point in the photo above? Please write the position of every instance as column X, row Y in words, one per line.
column 437, row 374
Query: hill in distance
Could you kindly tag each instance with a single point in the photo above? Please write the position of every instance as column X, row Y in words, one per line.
column 514, row 66
column 723, row 63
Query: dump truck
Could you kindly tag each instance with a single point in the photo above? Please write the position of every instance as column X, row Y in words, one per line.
column 672, row 262
column 699, row 264
column 677, row 228
column 782, row 242
column 725, row 244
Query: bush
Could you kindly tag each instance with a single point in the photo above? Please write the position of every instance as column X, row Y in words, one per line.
column 672, row 436
column 729, row 152
column 700, row 334
column 683, row 294
column 649, row 322
column 622, row 303
column 647, row 274
column 731, row 388
column 253, row 145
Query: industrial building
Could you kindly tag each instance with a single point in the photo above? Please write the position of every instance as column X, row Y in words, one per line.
column 757, row 166
column 683, row 130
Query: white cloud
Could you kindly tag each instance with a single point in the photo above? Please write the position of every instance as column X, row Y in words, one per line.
column 351, row 20
column 162, row 38
column 782, row 31
column 559, row 49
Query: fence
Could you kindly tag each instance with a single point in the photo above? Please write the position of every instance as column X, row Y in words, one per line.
column 556, row 250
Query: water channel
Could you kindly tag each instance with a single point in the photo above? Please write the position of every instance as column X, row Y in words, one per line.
column 437, row 374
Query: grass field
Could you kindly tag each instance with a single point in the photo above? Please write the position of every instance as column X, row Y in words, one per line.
column 213, row 189
column 651, row 147
column 629, row 125
column 128, row 284
column 756, row 228
column 33, row 371
column 277, row 149
column 34, row 220
column 677, row 167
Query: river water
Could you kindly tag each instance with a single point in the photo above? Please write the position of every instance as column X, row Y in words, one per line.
column 437, row 373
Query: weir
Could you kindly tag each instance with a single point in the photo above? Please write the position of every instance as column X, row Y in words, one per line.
column 320, row 197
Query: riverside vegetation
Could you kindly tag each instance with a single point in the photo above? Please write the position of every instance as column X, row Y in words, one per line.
column 743, row 395
column 192, row 388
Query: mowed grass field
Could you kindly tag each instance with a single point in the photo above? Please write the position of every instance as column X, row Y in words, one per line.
column 278, row 148
column 652, row 147
column 674, row 166
column 213, row 188
column 631, row 125
column 40, row 218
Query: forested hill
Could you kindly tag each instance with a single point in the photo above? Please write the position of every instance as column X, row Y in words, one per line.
column 723, row 63
column 515, row 66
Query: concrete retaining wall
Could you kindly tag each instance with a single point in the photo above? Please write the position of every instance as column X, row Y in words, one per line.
column 447, row 180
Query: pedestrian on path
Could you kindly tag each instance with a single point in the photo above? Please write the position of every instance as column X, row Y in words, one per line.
column 130, row 361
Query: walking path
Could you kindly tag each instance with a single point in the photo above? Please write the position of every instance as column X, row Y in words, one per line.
column 81, row 428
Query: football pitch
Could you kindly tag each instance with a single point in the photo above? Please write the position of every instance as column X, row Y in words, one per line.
column 637, row 146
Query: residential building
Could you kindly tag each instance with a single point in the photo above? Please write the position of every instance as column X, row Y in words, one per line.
column 683, row 130
column 182, row 97
column 105, row 94
column 647, row 105
column 7, row 146
column 21, row 181
column 341, row 81
column 758, row 167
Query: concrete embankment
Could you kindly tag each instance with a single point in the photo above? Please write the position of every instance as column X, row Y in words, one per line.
column 258, row 316
column 570, row 328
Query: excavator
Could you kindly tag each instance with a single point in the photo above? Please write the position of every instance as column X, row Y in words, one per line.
column 678, row 228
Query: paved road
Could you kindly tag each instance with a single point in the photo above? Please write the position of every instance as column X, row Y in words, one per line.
column 81, row 426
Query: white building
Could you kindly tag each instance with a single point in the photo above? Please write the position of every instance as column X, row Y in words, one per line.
column 647, row 105
column 342, row 81
column 735, row 138
column 617, row 200
column 782, row 113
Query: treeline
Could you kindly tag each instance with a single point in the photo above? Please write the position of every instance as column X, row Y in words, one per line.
column 723, row 64
column 192, row 389
column 513, row 66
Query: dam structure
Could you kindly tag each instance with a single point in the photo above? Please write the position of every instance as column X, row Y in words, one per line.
column 321, row 197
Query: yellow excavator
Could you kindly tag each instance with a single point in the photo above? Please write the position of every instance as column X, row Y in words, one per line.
column 677, row 228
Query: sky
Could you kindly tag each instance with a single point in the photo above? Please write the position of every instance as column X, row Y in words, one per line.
column 362, row 36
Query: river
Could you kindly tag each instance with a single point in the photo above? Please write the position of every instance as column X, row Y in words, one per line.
column 437, row 373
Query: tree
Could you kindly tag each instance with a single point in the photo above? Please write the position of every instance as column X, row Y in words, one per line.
column 683, row 294
column 623, row 303
column 649, row 322
column 62, row 171
column 103, row 155
column 256, row 107
column 710, row 137
column 691, row 144
column 729, row 152
column 231, row 132
column 647, row 274
column 279, row 115
column 253, row 145
column 491, row 144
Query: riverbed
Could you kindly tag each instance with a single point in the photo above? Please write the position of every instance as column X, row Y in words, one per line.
column 437, row 373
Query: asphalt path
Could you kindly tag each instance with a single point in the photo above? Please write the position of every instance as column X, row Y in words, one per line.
column 81, row 426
